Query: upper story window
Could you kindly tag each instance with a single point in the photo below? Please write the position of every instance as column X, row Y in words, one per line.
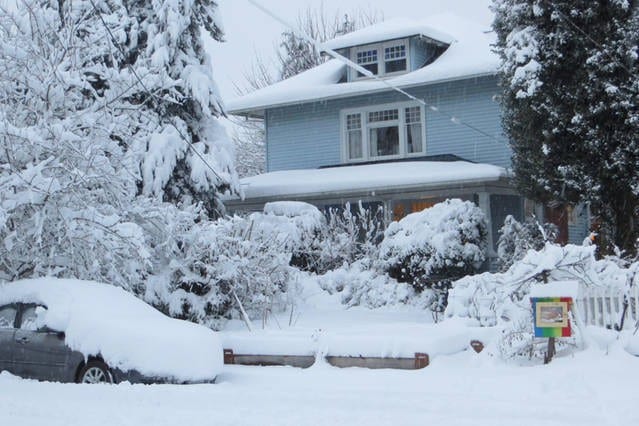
column 395, row 58
column 368, row 59
column 383, row 132
column 383, row 58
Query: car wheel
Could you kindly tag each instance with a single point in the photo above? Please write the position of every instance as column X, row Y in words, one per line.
column 95, row 372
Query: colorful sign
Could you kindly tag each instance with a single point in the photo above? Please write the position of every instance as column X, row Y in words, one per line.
column 551, row 316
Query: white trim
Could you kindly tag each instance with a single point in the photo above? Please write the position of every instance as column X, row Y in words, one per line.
column 365, row 127
column 381, row 58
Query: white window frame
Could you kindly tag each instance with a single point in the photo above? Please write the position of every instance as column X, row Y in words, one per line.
column 381, row 58
column 366, row 126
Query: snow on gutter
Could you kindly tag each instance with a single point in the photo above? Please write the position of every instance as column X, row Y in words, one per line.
column 371, row 177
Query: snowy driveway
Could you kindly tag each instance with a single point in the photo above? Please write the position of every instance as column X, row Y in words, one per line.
column 591, row 388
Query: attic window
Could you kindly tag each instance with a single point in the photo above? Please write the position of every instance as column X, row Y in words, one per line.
column 368, row 59
column 395, row 58
column 382, row 58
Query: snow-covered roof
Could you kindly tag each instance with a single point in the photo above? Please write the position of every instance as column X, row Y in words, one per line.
column 387, row 30
column 369, row 177
column 469, row 55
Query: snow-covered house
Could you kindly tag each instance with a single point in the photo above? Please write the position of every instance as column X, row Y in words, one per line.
column 334, row 135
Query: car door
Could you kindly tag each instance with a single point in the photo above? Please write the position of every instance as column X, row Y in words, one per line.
column 7, row 332
column 40, row 353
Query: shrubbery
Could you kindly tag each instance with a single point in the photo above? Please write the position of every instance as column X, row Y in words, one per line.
column 444, row 242
column 515, row 239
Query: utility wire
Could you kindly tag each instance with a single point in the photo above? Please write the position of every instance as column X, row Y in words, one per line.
column 367, row 73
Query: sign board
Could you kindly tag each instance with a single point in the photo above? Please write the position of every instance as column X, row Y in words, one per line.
column 551, row 316
column 552, row 303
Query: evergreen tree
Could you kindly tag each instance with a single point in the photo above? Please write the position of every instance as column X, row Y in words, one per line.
column 570, row 78
column 88, row 153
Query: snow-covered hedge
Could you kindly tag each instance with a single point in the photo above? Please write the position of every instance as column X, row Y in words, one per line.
column 443, row 242
column 501, row 299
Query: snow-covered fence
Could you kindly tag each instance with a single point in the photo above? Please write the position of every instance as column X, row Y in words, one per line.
column 604, row 307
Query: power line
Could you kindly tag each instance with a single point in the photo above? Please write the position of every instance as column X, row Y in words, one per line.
column 364, row 71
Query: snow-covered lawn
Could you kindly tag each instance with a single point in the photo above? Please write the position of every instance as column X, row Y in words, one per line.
column 591, row 388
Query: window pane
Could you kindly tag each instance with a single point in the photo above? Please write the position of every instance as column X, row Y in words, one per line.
column 371, row 67
column 384, row 141
column 414, row 138
column 386, row 115
column 367, row 56
column 29, row 319
column 395, row 52
column 7, row 317
column 413, row 115
column 414, row 141
column 395, row 58
column 395, row 66
column 355, row 144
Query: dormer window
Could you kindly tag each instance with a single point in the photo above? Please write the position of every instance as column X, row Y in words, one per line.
column 383, row 58
column 395, row 58
column 368, row 59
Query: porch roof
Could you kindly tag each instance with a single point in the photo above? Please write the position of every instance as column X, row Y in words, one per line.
column 370, row 177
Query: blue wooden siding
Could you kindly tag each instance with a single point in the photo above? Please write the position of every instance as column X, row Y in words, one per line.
column 308, row 135
column 418, row 53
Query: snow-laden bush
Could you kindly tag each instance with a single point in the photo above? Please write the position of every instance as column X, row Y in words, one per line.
column 438, row 244
column 515, row 239
column 223, row 267
column 351, row 234
column 501, row 299
column 358, row 285
column 297, row 227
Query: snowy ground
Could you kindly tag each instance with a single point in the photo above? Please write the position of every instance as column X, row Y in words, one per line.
column 591, row 388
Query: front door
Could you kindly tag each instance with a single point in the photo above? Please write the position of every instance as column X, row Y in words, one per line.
column 7, row 332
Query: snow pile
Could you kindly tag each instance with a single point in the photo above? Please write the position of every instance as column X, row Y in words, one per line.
column 100, row 319
column 442, row 242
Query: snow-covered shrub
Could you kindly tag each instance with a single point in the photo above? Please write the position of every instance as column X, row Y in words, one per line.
column 438, row 244
column 501, row 299
column 351, row 234
column 515, row 239
column 222, row 267
column 358, row 285
column 297, row 226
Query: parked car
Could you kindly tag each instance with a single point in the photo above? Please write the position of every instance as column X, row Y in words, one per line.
column 86, row 332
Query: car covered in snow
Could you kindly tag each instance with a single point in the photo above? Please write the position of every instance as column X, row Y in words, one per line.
column 87, row 332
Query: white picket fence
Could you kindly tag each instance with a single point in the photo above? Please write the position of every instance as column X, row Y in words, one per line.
column 603, row 307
